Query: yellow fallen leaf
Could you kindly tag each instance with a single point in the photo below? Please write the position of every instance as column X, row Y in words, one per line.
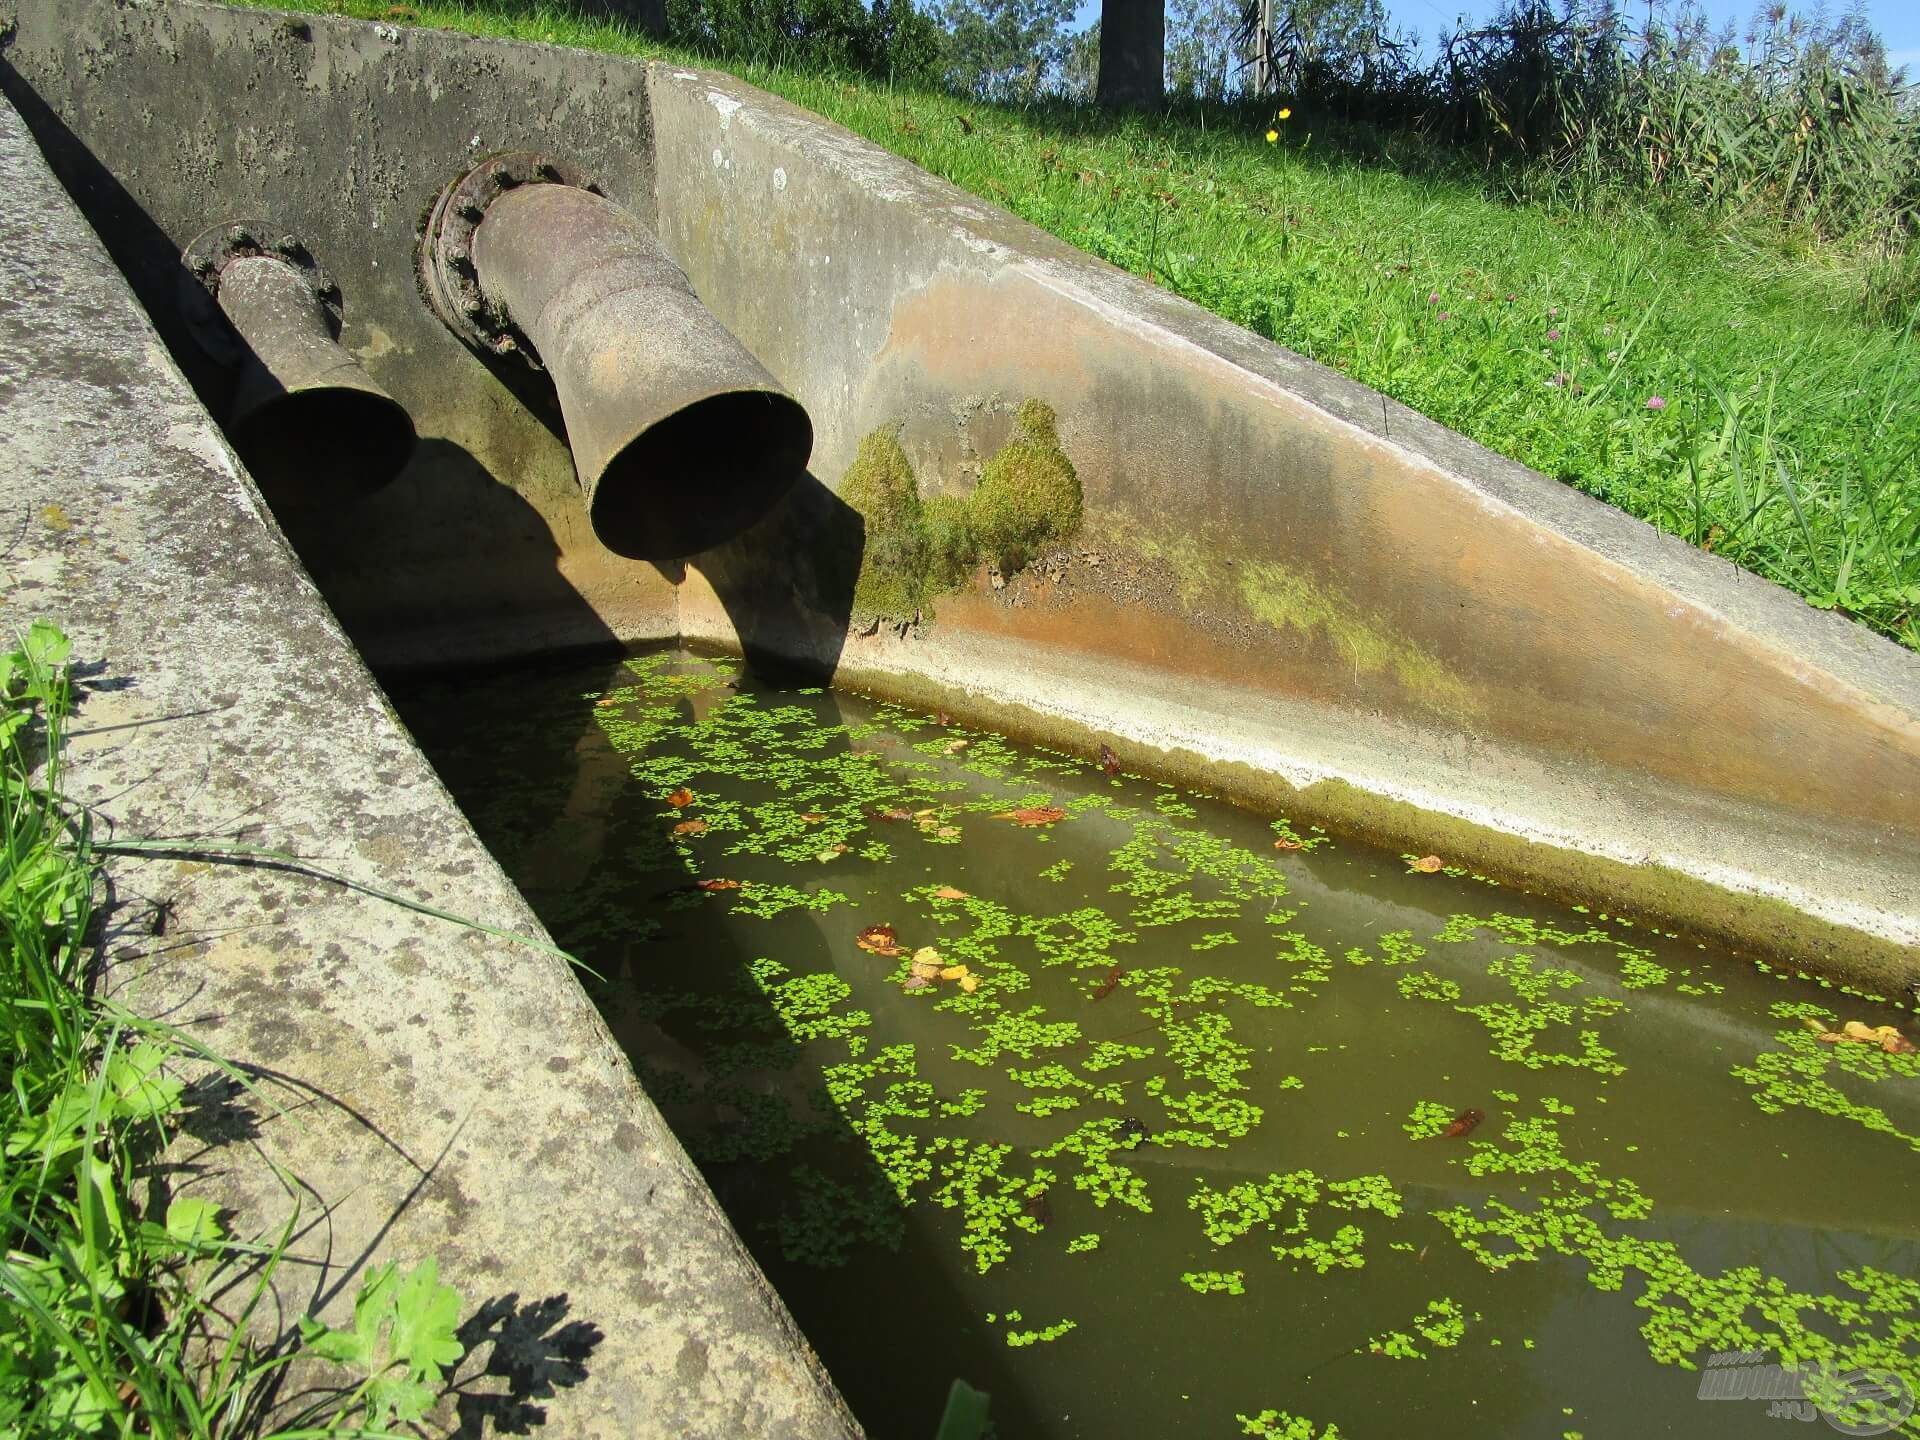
column 1855, row 1030
column 969, row 983
column 1426, row 864
column 954, row 972
column 947, row 892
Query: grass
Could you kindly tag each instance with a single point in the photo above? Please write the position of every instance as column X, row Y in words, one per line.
column 1738, row 386
column 125, row 1309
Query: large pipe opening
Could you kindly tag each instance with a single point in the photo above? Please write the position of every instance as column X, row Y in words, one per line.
column 681, row 439
column 309, row 424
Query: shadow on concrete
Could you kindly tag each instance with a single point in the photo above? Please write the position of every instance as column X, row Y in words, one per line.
column 787, row 583
column 481, row 581
column 534, row 1349
column 140, row 249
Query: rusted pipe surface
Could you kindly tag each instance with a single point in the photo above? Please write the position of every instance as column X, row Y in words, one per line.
column 680, row 437
column 311, row 426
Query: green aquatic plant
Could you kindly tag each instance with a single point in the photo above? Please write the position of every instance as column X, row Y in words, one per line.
column 1797, row 1074
column 1042, row 1336
column 1443, row 1324
column 1215, row 1282
column 1428, row 1119
column 1282, row 1425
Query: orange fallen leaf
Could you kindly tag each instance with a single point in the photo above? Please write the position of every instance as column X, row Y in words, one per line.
column 604, row 701
column 812, row 817
column 947, row 832
column 1283, row 843
column 880, row 940
column 893, row 813
column 680, row 798
column 717, row 884
column 1033, row 815
column 947, row 892
column 1893, row 1042
column 1426, row 864
column 1109, row 761
column 691, row 827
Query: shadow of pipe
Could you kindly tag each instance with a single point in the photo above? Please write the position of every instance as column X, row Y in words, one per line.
column 786, row 583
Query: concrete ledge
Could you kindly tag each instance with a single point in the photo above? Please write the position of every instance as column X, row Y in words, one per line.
column 447, row 1093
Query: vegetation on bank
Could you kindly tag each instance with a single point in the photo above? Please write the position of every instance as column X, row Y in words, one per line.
column 1739, row 374
column 125, row 1297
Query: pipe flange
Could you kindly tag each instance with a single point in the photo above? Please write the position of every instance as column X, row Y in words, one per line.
column 448, row 280
column 210, row 252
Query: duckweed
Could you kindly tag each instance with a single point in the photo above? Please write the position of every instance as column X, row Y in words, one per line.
column 1182, row 1041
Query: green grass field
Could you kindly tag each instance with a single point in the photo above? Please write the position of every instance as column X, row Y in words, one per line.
column 1727, row 385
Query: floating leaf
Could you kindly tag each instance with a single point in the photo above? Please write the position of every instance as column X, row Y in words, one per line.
column 916, row 982
column 954, row 747
column 1462, row 1125
column 1109, row 761
column 604, row 701
column 926, row 963
column 680, row 798
column 1107, row 984
column 969, row 983
column 880, row 940
column 1033, row 815
column 947, row 832
column 893, row 814
column 1285, row 843
column 922, row 814
column 716, row 884
column 954, row 972
column 944, row 718
column 947, row 892
column 1426, row 864
column 691, row 827
column 812, row 817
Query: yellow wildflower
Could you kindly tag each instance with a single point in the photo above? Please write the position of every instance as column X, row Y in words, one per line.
column 1272, row 135
column 1286, row 114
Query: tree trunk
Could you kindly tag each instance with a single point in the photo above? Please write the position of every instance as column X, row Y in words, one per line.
column 1133, row 46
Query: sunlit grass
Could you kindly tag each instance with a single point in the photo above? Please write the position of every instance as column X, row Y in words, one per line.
column 1735, row 387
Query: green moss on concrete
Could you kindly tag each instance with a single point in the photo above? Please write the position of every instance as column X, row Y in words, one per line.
column 893, row 562
column 1029, row 495
column 1286, row 599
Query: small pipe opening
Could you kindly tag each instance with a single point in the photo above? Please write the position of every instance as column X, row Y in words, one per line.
column 701, row 476
column 318, row 447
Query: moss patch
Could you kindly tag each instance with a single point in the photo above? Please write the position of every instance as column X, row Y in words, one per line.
column 1029, row 495
column 1028, row 498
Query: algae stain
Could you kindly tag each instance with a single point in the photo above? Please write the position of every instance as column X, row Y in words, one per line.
column 1286, row 599
column 1028, row 497
column 56, row 517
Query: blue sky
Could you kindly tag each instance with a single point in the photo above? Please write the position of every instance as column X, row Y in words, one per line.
column 1898, row 21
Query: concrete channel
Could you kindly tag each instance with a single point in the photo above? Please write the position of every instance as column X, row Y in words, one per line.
column 1285, row 588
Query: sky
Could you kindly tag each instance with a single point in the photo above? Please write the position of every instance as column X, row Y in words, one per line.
column 1898, row 21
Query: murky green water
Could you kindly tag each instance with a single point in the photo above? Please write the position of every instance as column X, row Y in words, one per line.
column 1173, row 1162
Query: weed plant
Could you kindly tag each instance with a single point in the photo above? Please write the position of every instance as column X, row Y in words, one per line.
column 111, row 1290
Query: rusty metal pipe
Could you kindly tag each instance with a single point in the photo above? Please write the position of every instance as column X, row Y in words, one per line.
column 311, row 426
column 681, row 438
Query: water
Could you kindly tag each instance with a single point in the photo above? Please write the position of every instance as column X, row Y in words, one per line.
column 1171, row 1163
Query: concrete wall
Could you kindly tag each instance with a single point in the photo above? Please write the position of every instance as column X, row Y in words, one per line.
column 1286, row 587
column 422, row 1088
column 163, row 120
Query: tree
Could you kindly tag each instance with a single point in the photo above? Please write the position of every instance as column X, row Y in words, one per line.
column 1004, row 49
column 1133, row 45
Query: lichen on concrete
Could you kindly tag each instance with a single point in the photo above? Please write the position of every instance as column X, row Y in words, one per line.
column 1285, row 598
